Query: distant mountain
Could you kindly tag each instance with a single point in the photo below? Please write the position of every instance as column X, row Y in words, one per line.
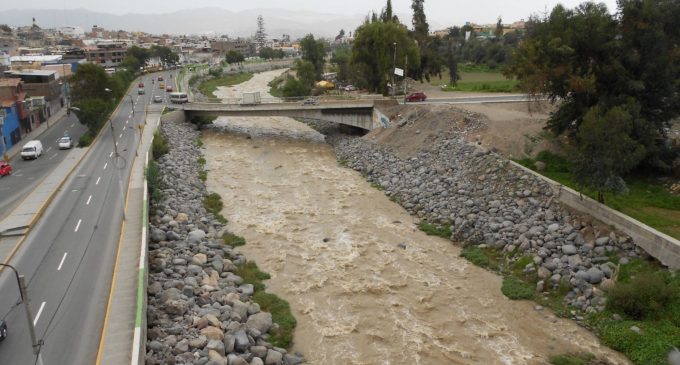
column 215, row 21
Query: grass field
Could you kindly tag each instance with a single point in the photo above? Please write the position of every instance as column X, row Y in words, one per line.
column 646, row 199
column 209, row 86
column 477, row 78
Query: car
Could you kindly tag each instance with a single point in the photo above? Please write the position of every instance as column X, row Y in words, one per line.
column 350, row 88
column 157, row 99
column 141, row 85
column 160, row 78
column 65, row 143
column 168, row 88
column 3, row 330
column 32, row 150
column 416, row 96
column 141, row 91
column 161, row 85
column 5, row 168
column 310, row 101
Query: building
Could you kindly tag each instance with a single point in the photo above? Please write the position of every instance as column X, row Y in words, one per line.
column 38, row 82
column 223, row 46
column 107, row 54
column 12, row 99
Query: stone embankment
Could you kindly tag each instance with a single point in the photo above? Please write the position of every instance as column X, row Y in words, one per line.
column 487, row 201
column 199, row 311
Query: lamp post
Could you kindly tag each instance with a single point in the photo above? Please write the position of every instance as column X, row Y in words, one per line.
column 113, row 133
column 132, row 104
column 24, row 299
column 394, row 66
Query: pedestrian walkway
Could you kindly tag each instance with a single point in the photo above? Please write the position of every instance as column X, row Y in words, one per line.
column 116, row 346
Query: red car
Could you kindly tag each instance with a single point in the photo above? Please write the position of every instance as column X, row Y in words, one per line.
column 141, row 84
column 416, row 96
column 5, row 168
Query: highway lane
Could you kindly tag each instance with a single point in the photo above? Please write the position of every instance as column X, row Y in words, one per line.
column 27, row 174
column 68, row 257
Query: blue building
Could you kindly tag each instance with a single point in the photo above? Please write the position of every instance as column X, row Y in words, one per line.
column 11, row 133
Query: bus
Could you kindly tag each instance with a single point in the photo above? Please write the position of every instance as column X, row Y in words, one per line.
column 179, row 98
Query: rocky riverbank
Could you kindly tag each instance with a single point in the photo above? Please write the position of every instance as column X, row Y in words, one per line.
column 486, row 201
column 199, row 311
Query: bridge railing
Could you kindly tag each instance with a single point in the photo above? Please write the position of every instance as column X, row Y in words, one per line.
column 274, row 100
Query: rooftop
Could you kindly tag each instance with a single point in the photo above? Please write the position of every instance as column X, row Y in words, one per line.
column 31, row 72
column 36, row 58
column 9, row 82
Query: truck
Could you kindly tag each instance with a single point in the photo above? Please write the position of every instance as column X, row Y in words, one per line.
column 251, row 98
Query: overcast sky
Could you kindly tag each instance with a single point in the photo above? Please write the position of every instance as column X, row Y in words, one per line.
column 442, row 12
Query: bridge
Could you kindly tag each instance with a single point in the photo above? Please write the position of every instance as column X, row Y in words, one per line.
column 358, row 113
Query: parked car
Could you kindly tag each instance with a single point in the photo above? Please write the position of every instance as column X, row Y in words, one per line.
column 157, row 99
column 168, row 88
column 5, row 169
column 3, row 330
column 65, row 143
column 32, row 149
column 416, row 96
column 350, row 88
column 310, row 101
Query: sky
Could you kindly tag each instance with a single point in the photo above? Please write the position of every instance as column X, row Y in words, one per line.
column 443, row 12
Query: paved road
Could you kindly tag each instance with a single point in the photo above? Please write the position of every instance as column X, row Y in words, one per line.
column 476, row 99
column 68, row 257
column 27, row 174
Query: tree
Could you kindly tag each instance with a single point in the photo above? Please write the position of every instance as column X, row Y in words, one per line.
column 306, row 72
column 340, row 35
column 605, row 150
column 387, row 14
column 266, row 53
column 314, row 51
column 341, row 59
column 234, row 57
column 421, row 29
column 165, row 54
column 499, row 29
column 295, row 88
column 260, row 35
column 92, row 112
column 141, row 54
column 372, row 53
column 452, row 64
column 89, row 82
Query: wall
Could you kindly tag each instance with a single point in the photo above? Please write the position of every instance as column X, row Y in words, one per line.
column 662, row 247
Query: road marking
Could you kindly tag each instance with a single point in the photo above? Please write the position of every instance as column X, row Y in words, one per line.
column 62, row 261
column 42, row 306
column 88, row 200
column 55, row 155
column 127, row 121
column 73, row 124
column 74, row 190
column 121, row 135
column 116, row 143
column 99, row 178
column 110, row 154
column 106, row 164
column 82, row 175
column 48, row 150
column 78, row 225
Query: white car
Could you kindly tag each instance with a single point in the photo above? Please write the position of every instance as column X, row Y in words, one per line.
column 65, row 143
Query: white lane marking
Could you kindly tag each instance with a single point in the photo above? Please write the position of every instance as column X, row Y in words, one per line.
column 127, row 121
column 55, row 155
column 82, row 175
column 78, row 225
column 88, row 200
column 73, row 124
column 74, row 191
column 42, row 306
column 99, row 178
column 106, row 164
column 18, row 175
column 116, row 143
column 110, row 154
column 48, row 150
column 62, row 261
column 121, row 135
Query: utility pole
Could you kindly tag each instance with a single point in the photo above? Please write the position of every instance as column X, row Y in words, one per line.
column 394, row 66
column 24, row 299
column 132, row 104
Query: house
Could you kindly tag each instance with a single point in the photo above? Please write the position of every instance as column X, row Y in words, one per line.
column 12, row 104
column 38, row 82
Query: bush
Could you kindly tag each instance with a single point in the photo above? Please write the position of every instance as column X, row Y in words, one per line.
column 233, row 240
column 435, row 230
column 281, row 315
column 153, row 178
column 516, row 289
column 201, row 121
column 86, row 139
column 573, row 359
column 644, row 297
column 159, row 146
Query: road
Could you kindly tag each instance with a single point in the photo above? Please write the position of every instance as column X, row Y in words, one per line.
column 27, row 174
column 477, row 99
column 68, row 257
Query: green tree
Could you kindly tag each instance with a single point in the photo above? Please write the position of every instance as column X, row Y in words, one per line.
column 234, row 56
column 260, row 35
column 421, row 29
column 372, row 53
column 92, row 112
column 295, row 88
column 314, row 51
column 89, row 81
column 306, row 72
column 266, row 53
column 141, row 54
column 341, row 60
column 387, row 15
column 452, row 65
column 499, row 29
column 165, row 54
column 605, row 150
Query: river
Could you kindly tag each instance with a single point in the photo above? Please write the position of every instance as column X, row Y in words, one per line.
column 365, row 285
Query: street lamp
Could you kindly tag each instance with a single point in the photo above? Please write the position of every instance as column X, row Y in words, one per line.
column 24, row 299
column 132, row 103
column 394, row 64
column 113, row 133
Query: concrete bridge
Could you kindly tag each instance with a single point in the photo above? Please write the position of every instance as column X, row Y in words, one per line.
column 358, row 113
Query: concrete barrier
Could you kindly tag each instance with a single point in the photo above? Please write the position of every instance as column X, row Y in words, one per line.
column 659, row 245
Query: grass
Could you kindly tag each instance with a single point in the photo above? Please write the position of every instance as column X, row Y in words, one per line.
column 159, row 146
column 213, row 204
column 275, row 86
column 477, row 256
column 572, row 359
column 516, row 289
column 377, row 186
column 646, row 200
column 209, row 86
column 477, row 78
column 279, row 308
column 153, row 178
column 495, row 86
column 202, row 174
column 233, row 240
column 435, row 230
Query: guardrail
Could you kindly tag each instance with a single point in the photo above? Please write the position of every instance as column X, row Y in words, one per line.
column 274, row 100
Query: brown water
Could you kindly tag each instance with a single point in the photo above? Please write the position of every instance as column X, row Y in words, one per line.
column 366, row 286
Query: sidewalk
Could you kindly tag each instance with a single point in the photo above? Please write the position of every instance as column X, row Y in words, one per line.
column 116, row 345
column 53, row 120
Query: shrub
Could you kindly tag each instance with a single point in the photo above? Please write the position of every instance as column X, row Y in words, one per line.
column 233, row 240
column 213, row 204
column 159, row 146
column 435, row 230
column 572, row 359
column 645, row 296
column 516, row 289
column 86, row 139
column 153, row 178
column 201, row 121
column 281, row 315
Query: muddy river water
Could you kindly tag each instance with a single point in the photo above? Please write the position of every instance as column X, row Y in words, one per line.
column 366, row 286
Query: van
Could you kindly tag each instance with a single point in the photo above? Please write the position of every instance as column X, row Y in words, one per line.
column 32, row 149
column 179, row 98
